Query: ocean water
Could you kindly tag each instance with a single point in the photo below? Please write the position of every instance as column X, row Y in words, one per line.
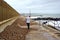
column 42, row 15
column 52, row 23
column 47, row 15
column 55, row 24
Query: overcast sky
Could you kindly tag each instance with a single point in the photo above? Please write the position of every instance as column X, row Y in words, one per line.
column 36, row 6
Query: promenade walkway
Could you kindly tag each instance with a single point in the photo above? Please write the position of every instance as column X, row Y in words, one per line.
column 40, row 34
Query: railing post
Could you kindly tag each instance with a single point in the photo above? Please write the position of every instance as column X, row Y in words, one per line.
column 54, row 24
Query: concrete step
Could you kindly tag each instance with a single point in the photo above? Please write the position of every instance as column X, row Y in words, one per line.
column 3, row 26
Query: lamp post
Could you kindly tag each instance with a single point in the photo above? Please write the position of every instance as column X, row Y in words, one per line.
column 30, row 13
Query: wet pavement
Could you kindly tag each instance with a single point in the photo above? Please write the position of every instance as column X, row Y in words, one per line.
column 40, row 34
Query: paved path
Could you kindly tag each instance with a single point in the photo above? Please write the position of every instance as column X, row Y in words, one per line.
column 40, row 34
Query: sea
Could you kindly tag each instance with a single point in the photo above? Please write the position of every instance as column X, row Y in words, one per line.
column 47, row 15
column 55, row 24
column 42, row 15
